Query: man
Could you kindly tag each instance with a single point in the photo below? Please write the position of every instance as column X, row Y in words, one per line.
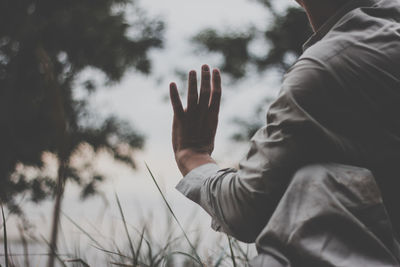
column 319, row 185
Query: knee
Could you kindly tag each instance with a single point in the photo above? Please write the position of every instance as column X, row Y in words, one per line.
column 357, row 181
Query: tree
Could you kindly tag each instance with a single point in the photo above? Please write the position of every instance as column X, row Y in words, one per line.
column 44, row 46
column 285, row 36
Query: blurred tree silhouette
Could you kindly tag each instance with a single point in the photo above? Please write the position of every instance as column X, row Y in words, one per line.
column 44, row 45
column 285, row 36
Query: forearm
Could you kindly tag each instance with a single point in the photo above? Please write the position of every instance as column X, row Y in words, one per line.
column 189, row 159
column 242, row 201
column 236, row 207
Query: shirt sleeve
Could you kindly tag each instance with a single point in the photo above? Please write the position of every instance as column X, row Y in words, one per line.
column 241, row 201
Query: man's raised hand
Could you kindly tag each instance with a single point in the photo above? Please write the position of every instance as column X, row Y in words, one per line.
column 194, row 128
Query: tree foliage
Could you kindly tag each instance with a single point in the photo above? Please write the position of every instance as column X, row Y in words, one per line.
column 233, row 47
column 44, row 46
column 285, row 36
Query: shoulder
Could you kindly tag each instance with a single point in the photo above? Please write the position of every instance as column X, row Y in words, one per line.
column 364, row 34
column 311, row 91
column 303, row 93
column 308, row 81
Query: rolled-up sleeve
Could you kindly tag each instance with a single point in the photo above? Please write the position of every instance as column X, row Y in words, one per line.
column 241, row 201
column 192, row 183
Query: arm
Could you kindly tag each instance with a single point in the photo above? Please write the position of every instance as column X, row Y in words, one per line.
column 242, row 201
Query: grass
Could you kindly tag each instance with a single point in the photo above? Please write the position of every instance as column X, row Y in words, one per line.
column 232, row 253
column 174, row 216
column 139, row 248
column 5, row 236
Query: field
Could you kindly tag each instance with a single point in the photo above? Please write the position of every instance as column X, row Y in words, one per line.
column 152, row 243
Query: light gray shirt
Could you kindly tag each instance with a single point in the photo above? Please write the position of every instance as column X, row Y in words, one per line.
column 340, row 102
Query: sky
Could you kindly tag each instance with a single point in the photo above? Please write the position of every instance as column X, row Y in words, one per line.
column 141, row 100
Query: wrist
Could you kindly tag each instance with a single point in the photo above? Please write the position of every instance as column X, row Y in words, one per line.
column 189, row 159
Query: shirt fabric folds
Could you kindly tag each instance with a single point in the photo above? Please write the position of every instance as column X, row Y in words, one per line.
column 339, row 106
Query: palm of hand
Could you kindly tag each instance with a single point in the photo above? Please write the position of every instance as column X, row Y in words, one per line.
column 194, row 128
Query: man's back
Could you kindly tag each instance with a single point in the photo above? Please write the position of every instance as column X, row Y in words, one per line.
column 357, row 64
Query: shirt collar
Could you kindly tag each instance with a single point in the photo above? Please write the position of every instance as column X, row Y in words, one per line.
column 328, row 25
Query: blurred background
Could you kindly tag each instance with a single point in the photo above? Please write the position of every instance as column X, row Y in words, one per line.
column 84, row 107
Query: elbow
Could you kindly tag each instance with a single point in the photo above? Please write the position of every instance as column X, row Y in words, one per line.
column 238, row 212
column 244, row 229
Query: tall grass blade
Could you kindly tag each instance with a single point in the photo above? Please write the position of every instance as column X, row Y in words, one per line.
column 245, row 254
column 79, row 261
column 5, row 235
column 158, row 258
column 174, row 216
column 126, row 230
column 179, row 253
column 81, row 229
column 113, row 253
column 232, row 254
column 135, row 263
column 122, row 264
column 220, row 259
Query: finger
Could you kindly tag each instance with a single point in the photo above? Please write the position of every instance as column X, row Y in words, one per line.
column 176, row 101
column 216, row 92
column 205, row 88
column 175, row 133
column 192, row 91
column 212, row 118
